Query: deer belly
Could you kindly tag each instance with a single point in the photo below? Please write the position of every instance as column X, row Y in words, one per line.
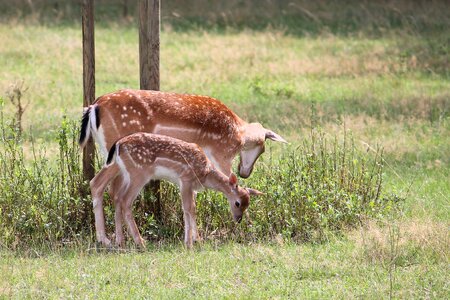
column 168, row 174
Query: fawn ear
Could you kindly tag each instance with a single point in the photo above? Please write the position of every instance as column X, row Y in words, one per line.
column 233, row 180
column 254, row 192
column 274, row 136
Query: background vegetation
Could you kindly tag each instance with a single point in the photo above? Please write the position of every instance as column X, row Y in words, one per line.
column 356, row 206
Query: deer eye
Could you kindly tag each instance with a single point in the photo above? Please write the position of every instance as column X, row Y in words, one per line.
column 237, row 204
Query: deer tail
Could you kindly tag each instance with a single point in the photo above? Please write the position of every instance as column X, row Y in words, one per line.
column 90, row 119
column 112, row 153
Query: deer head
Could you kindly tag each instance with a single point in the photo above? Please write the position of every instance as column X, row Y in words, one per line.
column 255, row 136
column 239, row 197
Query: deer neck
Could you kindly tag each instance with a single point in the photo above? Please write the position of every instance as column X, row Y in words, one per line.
column 218, row 181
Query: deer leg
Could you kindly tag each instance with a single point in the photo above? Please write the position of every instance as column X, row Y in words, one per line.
column 188, row 203
column 196, row 236
column 98, row 185
column 127, row 203
column 115, row 191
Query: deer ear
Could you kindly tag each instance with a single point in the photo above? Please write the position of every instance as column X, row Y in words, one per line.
column 274, row 136
column 233, row 180
column 254, row 192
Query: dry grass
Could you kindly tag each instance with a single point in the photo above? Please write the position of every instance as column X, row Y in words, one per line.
column 406, row 137
column 414, row 240
column 246, row 55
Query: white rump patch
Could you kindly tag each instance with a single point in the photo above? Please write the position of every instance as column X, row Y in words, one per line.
column 97, row 134
column 101, row 141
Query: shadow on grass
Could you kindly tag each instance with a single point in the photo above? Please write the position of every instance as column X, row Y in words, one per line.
column 299, row 17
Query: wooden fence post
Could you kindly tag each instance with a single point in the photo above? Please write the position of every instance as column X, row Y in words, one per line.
column 88, row 80
column 149, row 28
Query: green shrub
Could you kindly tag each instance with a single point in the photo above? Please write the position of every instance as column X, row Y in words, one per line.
column 40, row 198
column 317, row 186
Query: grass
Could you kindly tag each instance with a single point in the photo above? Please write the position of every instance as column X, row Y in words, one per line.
column 380, row 74
column 426, row 191
column 337, row 269
column 343, row 74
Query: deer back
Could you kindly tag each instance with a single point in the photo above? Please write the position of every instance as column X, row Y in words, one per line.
column 198, row 119
column 154, row 156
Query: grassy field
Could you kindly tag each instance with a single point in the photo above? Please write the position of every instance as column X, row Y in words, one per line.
column 341, row 268
column 390, row 89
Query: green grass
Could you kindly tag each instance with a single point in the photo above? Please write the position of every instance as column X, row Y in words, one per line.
column 426, row 190
column 332, row 270
column 342, row 74
column 381, row 73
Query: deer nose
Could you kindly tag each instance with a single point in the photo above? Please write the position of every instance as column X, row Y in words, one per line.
column 238, row 219
column 244, row 172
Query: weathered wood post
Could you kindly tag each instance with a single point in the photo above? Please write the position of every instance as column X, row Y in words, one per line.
column 88, row 80
column 149, row 28
column 87, row 21
column 149, row 18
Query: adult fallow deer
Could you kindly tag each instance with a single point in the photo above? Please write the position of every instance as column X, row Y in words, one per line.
column 140, row 157
column 196, row 119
